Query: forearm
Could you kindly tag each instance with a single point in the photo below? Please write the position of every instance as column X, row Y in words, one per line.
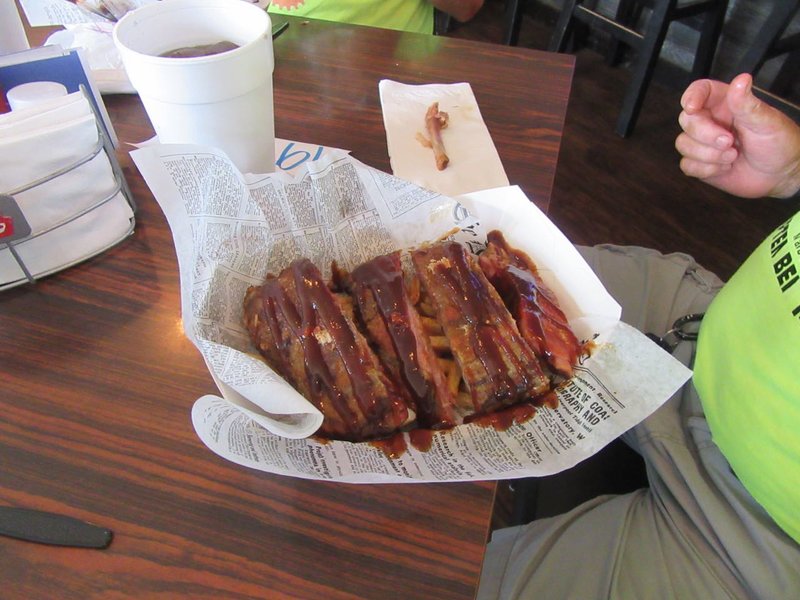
column 460, row 10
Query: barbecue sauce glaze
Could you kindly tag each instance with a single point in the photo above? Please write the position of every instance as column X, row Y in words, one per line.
column 316, row 307
column 471, row 297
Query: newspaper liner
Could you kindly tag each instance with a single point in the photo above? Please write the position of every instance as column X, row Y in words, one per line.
column 230, row 230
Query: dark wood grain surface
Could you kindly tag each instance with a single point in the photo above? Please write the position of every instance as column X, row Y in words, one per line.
column 98, row 379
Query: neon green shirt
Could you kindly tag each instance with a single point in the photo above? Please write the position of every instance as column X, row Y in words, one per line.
column 404, row 15
column 747, row 373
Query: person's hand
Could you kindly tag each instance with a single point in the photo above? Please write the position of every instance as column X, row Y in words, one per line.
column 736, row 142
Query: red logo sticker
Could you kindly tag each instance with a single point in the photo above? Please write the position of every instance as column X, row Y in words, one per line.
column 6, row 226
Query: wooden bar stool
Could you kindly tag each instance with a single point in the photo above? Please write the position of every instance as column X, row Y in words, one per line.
column 647, row 43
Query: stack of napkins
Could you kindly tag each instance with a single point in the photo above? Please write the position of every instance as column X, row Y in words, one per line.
column 78, row 211
column 474, row 162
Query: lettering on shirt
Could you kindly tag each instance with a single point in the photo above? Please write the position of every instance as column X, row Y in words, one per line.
column 796, row 310
column 778, row 241
column 783, row 263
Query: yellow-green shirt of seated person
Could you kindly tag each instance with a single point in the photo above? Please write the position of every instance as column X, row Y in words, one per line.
column 747, row 373
column 404, row 15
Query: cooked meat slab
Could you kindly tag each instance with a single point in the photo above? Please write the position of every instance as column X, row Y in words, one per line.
column 498, row 366
column 305, row 333
column 403, row 344
column 535, row 308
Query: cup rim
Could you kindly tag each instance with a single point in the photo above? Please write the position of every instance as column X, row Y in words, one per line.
column 168, row 6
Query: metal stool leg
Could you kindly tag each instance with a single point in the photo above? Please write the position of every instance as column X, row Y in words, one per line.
column 770, row 43
column 564, row 25
column 709, row 35
column 787, row 75
column 643, row 67
column 513, row 21
column 772, row 30
column 628, row 13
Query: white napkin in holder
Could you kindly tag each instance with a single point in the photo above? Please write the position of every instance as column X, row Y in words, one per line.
column 63, row 197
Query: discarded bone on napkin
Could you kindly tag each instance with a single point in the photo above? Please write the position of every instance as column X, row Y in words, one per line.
column 473, row 164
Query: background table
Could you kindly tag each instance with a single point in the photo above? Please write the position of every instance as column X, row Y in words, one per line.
column 98, row 379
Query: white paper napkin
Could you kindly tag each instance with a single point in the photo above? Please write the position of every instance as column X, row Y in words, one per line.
column 67, row 223
column 474, row 162
column 103, row 57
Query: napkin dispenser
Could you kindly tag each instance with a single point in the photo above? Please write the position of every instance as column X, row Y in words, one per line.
column 63, row 196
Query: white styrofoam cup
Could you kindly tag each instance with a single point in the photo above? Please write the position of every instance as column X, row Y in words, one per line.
column 12, row 32
column 223, row 100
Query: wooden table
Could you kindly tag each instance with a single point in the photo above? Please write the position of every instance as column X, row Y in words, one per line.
column 98, row 379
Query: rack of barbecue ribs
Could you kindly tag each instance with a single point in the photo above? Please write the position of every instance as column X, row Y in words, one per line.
column 415, row 339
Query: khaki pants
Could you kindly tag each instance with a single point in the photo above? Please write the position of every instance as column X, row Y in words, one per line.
column 695, row 533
